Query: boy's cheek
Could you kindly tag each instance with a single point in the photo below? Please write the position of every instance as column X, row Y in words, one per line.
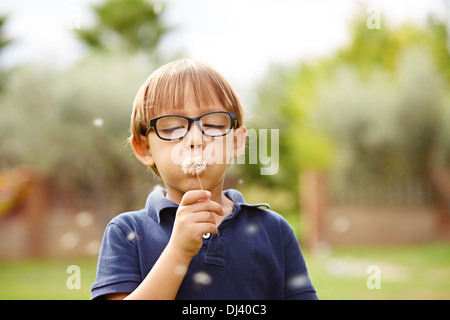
column 165, row 152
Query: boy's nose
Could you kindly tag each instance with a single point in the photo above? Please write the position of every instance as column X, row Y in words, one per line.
column 194, row 138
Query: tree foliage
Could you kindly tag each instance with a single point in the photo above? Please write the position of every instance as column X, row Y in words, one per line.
column 73, row 124
column 3, row 43
column 379, row 105
column 130, row 26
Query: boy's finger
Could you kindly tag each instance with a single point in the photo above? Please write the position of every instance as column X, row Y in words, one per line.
column 207, row 205
column 205, row 216
column 194, row 196
column 211, row 228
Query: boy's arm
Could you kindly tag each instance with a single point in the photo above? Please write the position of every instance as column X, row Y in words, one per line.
column 163, row 280
column 298, row 283
column 194, row 218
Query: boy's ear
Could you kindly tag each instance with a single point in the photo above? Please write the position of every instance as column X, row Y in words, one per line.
column 141, row 149
column 240, row 141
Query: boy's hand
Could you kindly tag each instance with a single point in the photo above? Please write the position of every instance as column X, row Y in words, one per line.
column 193, row 219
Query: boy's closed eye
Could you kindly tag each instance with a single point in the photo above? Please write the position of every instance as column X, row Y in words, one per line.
column 172, row 130
column 213, row 126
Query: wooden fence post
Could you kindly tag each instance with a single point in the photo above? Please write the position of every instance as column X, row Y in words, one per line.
column 313, row 203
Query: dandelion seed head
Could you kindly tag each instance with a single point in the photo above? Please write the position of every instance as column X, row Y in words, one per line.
column 193, row 166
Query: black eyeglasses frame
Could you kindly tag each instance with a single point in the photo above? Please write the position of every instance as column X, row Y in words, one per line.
column 152, row 124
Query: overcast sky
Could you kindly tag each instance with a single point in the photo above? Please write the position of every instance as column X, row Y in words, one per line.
column 239, row 37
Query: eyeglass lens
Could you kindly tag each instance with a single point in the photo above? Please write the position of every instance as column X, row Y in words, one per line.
column 173, row 127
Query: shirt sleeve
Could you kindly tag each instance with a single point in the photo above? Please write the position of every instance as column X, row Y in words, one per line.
column 298, row 285
column 118, row 268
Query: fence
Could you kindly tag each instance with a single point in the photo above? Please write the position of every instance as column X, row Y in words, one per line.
column 32, row 226
column 392, row 211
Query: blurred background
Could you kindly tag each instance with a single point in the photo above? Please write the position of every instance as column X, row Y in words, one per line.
column 359, row 91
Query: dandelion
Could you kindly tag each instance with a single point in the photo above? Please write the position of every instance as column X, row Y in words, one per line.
column 194, row 166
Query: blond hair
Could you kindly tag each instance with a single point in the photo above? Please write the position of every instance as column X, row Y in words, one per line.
column 164, row 90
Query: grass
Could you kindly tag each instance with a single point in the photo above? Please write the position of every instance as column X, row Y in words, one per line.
column 45, row 279
column 411, row 272
column 406, row 272
column 414, row 272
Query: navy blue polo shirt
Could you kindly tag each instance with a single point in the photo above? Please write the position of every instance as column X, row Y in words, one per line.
column 255, row 256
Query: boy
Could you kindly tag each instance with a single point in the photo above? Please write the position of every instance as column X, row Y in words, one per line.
column 193, row 240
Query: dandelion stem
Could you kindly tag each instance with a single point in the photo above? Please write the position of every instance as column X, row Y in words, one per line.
column 199, row 181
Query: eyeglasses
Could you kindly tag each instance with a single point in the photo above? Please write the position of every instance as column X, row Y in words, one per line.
column 173, row 127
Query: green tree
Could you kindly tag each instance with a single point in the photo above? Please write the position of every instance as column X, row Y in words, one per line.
column 388, row 123
column 376, row 105
column 130, row 26
column 285, row 101
column 372, row 49
column 73, row 124
column 3, row 43
column 388, row 99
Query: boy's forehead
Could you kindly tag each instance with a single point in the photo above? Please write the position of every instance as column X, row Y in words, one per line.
column 190, row 100
column 206, row 102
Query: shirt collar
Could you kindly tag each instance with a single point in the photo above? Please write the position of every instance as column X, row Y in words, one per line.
column 157, row 201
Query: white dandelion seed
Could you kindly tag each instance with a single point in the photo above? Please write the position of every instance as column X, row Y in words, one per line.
column 202, row 278
column 194, row 167
column 98, row 122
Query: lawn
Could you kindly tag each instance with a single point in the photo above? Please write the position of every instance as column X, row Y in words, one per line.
column 410, row 272
column 414, row 272
column 45, row 279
